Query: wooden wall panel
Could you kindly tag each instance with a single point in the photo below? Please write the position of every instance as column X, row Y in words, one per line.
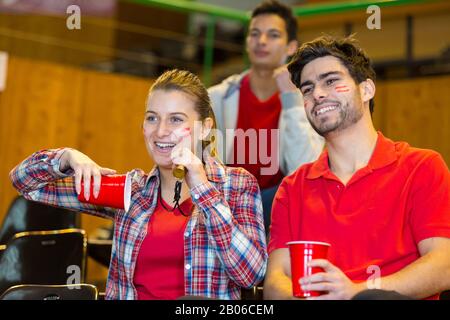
column 113, row 112
column 416, row 111
column 46, row 37
column 39, row 109
column 430, row 37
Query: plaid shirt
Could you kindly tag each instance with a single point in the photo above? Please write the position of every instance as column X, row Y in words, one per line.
column 224, row 247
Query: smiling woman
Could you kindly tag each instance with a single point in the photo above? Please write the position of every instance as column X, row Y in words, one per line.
column 160, row 252
column 167, row 112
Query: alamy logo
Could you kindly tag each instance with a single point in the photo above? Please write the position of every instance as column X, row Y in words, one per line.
column 75, row 276
column 74, row 20
column 374, row 280
column 374, row 20
column 253, row 146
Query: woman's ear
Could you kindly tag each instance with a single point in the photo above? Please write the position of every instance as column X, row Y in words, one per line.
column 207, row 125
column 367, row 90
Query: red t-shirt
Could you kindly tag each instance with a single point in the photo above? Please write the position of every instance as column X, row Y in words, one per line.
column 256, row 152
column 159, row 272
column 400, row 198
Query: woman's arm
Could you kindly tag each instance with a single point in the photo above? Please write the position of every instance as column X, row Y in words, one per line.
column 236, row 227
column 54, row 176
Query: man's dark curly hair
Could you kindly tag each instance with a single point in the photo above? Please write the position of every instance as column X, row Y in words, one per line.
column 281, row 10
column 347, row 50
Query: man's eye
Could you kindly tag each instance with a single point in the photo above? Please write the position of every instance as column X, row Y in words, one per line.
column 331, row 81
column 307, row 91
column 274, row 35
column 151, row 118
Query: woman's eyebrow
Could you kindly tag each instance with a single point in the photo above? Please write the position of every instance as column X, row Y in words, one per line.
column 172, row 113
column 178, row 113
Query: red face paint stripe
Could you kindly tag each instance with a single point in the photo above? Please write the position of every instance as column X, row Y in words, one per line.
column 342, row 89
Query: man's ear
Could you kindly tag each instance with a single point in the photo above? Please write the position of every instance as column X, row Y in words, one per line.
column 292, row 47
column 367, row 90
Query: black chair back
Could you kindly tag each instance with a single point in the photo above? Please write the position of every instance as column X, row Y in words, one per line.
column 81, row 291
column 44, row 257
column 25, row 215
column 100, row 250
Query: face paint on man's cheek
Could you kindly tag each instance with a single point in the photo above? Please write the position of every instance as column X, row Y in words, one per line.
column 342, row 89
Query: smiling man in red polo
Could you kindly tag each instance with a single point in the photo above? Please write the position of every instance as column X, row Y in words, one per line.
column 382, row 205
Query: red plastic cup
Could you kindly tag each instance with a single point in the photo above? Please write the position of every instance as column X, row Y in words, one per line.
column 301, row 252
column 115, row 192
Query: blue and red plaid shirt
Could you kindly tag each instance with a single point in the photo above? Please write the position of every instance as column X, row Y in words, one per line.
column 224, row 247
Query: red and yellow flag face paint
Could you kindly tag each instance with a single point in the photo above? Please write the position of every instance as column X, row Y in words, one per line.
column 181, row 132
column 342, row 89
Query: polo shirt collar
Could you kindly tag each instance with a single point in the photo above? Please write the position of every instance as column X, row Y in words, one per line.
column 319, row 167
column 383, row 155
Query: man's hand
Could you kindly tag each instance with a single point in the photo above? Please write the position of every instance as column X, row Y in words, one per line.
column 283, row 79
column 337, row 285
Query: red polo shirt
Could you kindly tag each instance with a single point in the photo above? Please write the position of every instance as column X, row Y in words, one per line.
column 400, row 198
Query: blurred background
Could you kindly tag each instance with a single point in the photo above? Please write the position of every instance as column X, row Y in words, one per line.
column 85, row 88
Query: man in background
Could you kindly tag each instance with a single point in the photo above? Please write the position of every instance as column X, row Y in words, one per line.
column 263, row 105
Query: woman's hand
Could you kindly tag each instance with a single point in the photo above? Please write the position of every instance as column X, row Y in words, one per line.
column 195, row 174
column 85, row 169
